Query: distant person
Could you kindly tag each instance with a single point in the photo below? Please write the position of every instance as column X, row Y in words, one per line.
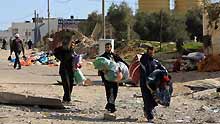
column 111, row 88
column 30, row 44
column 4, row 43
column 148, row 65
column 17, row 47
column 64, row 54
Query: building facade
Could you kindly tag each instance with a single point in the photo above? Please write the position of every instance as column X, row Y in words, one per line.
column 182, row 6
column 24, row 29
column 35, row 30
column 153, row 5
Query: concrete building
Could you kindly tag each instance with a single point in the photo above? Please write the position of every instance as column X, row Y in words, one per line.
column 43, row 27
column 6, row 34
column 24, row 29
column 28, row 30
column 182, row 6
column 71, row 24
column 154, row 5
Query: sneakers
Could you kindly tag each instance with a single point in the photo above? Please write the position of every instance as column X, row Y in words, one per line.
column 109, row 116
column 150, row 121
column 110, row 107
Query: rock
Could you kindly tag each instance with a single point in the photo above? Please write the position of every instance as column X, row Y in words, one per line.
column 204, row 108
column 205, row 94
column 179, row 121
column 109, row 116
column 185, row 104
column 210, row 120
column 141, row 120
column 87, row 82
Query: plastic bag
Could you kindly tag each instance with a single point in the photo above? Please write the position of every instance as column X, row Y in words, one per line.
column 101, row 63
column 78, row 76
column 124, row 70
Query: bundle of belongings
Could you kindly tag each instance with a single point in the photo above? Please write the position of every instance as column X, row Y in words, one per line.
column 79, row 78
column 160, row 85
column 134, row 70
column 116, row 72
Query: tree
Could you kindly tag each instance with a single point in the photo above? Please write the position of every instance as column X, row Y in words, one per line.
column 194, row 23
column 87, row 27
column 147, row 25
column 121, row 18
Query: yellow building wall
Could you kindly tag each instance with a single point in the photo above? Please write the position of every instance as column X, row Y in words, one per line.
column 153, row 5
column 181, row 6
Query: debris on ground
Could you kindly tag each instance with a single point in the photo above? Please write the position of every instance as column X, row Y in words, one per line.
column 17, row 99
column 210, row 64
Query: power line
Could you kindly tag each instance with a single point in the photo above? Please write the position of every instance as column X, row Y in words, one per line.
column 63, row 1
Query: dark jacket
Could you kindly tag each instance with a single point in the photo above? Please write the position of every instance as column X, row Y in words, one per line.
column 148, row 65
column 17, row 46
column 65, row 57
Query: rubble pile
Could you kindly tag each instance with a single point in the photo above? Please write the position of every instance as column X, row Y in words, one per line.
column 209, row 64
column 86, row 46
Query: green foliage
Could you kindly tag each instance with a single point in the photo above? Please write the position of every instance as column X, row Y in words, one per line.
column 148, row 26
column 87, row 27
column 121, row 18
column 193, row 45
column 213, row 11
column 194, row 23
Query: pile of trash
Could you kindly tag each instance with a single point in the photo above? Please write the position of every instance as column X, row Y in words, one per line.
column 40, row 58
column 209, row 64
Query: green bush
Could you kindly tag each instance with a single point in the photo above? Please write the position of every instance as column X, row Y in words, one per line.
column 193, row 45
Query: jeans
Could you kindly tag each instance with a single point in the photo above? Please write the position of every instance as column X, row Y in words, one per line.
column 17, row 61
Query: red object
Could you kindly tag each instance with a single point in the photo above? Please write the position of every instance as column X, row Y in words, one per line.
column 134, row 70
column 119, row 76
column 166, row 79
column 79, row 66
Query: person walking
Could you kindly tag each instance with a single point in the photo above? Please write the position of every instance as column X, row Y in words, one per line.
column 66, row 70
column 111, row 88
column 30, row 44
column 4, row 43
column 147, row 65
column 17, row 47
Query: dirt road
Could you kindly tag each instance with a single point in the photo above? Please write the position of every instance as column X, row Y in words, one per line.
column 88, row 102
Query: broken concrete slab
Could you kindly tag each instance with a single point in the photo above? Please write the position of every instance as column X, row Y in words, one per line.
column 201, row 85
column 18, row 99
column 203, row 94
column 109, row 116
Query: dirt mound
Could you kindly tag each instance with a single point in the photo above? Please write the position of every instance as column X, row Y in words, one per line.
column 209, row 64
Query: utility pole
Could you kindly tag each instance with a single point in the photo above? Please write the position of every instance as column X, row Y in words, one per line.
column 35, row 26
column 161, row 25
column 48, row 18
column 103, row 18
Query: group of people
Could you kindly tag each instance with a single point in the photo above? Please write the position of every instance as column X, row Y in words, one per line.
column 148, row 64
column 65, row 52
